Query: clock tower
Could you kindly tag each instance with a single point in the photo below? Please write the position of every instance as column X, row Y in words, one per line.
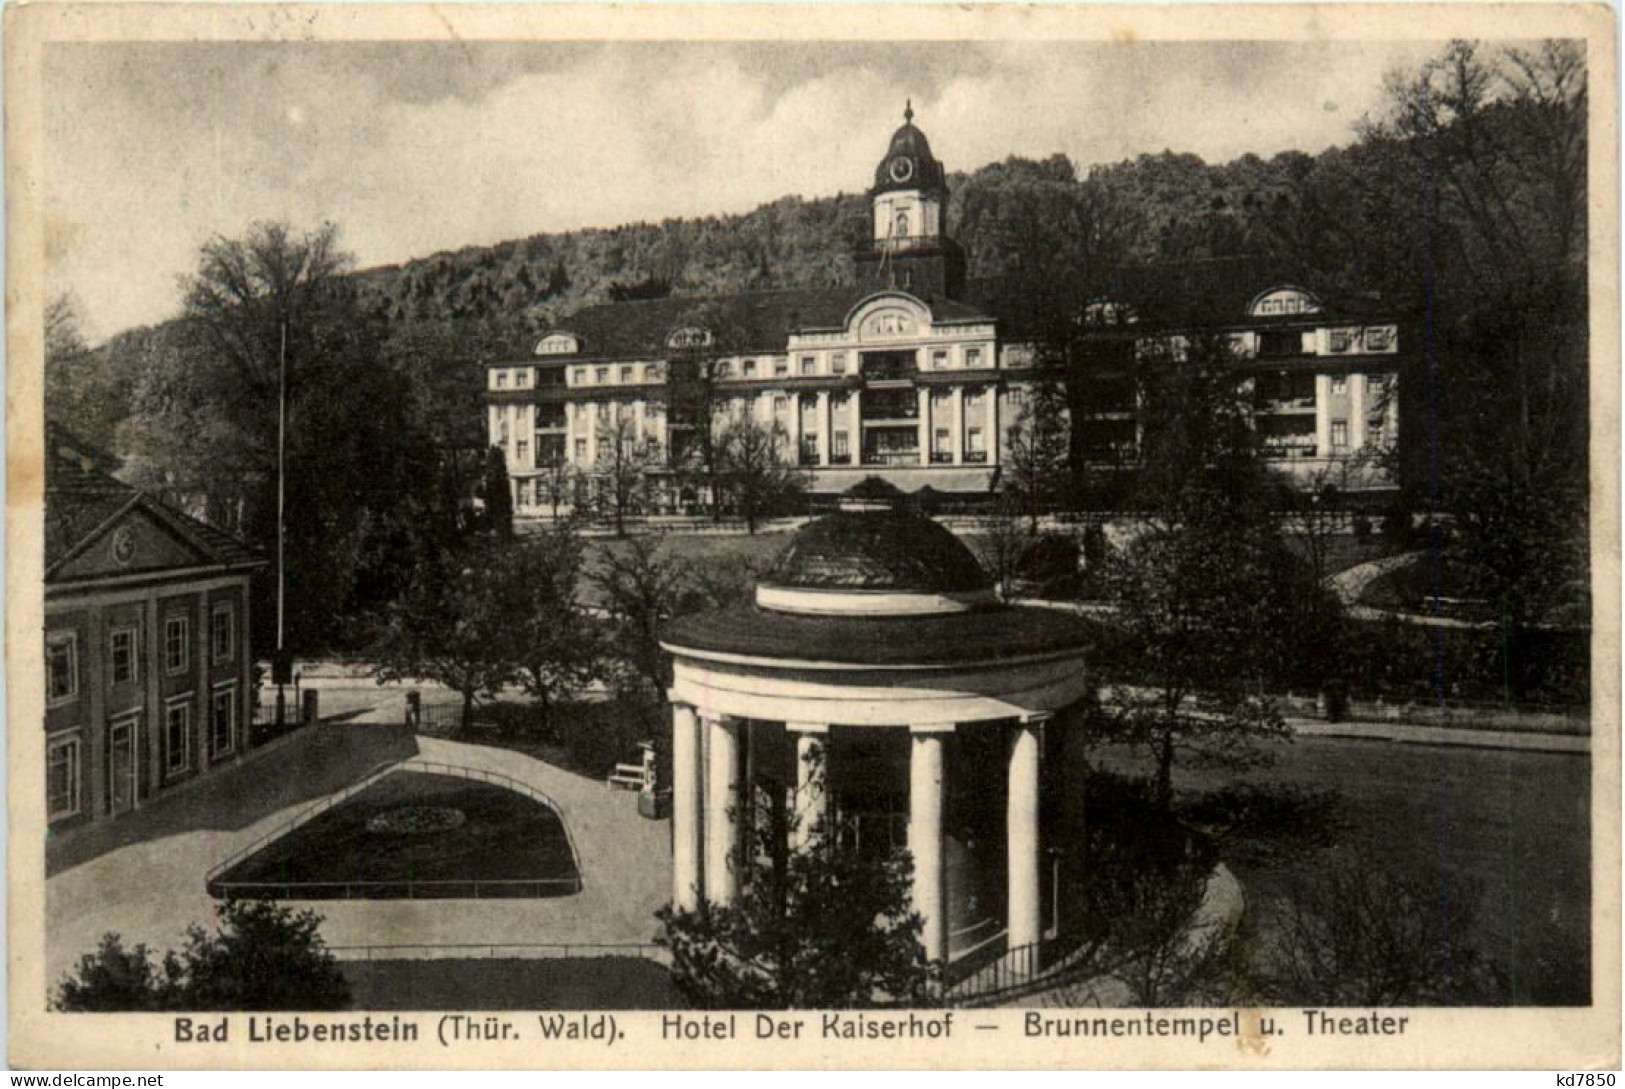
column 908, row 248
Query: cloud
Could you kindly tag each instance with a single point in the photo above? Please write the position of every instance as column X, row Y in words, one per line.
column 153, row 148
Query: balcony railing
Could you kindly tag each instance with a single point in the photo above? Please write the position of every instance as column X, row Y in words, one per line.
column 891, row 457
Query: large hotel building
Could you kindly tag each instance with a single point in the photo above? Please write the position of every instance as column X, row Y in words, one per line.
column 917, row 375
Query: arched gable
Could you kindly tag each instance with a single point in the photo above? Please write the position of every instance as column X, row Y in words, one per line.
column 888, row 315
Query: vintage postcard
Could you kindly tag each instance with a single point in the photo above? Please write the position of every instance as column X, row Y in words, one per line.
column 813, row 536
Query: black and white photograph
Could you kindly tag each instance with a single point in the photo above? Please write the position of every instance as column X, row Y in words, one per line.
column 1020, row 547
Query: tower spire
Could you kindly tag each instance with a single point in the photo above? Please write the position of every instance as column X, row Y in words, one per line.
column 908, row 111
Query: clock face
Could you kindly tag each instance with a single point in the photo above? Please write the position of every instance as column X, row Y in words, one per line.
column 901, row 169
column 123, row 545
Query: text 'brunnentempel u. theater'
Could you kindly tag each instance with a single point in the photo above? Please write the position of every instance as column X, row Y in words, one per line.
column 917, row 375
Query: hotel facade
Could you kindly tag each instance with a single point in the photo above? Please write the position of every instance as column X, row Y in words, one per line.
column 917, row 375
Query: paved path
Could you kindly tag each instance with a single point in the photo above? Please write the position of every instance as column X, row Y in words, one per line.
column 150, row 891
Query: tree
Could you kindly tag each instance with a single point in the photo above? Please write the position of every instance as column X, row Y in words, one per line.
column 114, row 979
column 1211, row 603
column 622, row 466
column 1360, row 934
column 558, row 482
column 263, row 957
column 753, row 470
column 1483, row 152
column 269, row 312
column 453, row 624
column 820, row 927
column 698, row 363
column 1037, row 472
column 498, row 494
column 554, row 643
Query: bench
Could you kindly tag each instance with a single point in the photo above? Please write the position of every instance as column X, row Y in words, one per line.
column 627, row 777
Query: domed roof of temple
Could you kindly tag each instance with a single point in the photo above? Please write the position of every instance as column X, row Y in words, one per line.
column 908, row 163
column 877, row 550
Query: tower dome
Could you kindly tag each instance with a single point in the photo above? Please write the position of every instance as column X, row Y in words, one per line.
column 874, row 563
column 908, row 163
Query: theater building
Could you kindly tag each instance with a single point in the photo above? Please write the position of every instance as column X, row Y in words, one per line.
column 915, row 374
column 147, row 657
column 877, row 688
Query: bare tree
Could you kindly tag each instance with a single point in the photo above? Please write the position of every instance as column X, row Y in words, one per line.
column 755, row 473
column 622, row 467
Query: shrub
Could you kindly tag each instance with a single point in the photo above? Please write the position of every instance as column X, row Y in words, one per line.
column 1356, row 934
column 264, row 957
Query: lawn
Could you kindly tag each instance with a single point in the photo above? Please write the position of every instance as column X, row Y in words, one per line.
column 1511, row 828
column 577, row 983
column 419, row 836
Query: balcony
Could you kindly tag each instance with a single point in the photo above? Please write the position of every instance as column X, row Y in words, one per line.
column 891, row 457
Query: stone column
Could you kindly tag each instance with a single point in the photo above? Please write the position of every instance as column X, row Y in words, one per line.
column 957, row 440
column 1323, row 415
column 994, row 442
column 925, row 780
column 1356, row 412
column 812, row 770
column 854, row 405
column 794, row 400
column 824, row 426
column 722, row 811
column 687, row 790
column 1021, row 824
column 923, row 397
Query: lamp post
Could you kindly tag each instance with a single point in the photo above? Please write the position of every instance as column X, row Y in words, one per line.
column 279, row 667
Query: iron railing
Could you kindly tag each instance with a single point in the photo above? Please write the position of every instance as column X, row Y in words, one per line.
column 499, row 951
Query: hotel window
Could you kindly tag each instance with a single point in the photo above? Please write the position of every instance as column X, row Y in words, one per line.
column 809, row 365
column 781, row 406
column 521, row 451
column 781, row 366
column 178, row 736
column 725, row 369
column 502, row 379
column 975, row 449
column 601, row 376
column 122, row 653
column 503, row 431
column 603, row 412
column 1340, row 435
column 839, row 451
column 579, row 375
column 973, row 357
column 62, row 667
column 1342, row 340
column 223, row 720
column 942, row 444
column 939, row 359
column 581, row 451
column 177, row 644
column 750, row 368
column 222, row 633
column 626, row 374
column 837, row 363
column 523, row 488
column 1340, row 384
column 62, row 778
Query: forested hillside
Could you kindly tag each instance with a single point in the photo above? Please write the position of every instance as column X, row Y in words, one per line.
column 1166, row 206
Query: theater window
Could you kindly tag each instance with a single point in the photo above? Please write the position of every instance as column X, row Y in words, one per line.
column 61, row 777
column 62, row 667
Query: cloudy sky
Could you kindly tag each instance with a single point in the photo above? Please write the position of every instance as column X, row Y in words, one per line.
column 414, row 148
